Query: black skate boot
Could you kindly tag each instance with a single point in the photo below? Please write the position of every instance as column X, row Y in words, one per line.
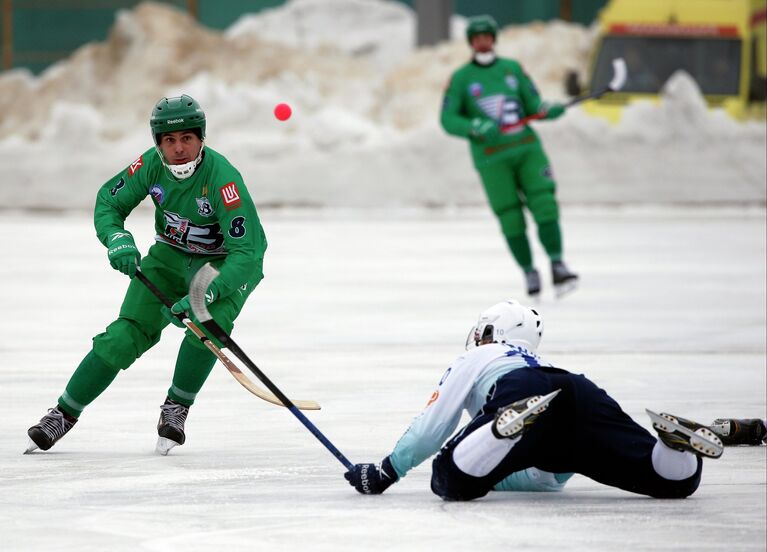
column 52, row 427
column 513, row 420
column 533, row 283
column 564, row 281
column 170, row 426
column 686, row 435
column 751, row 431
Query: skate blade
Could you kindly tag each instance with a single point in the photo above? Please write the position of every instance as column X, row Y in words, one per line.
column 510, row 422
column 702, row 440
column 31, row 447
column 164, row 445
column 565, row 288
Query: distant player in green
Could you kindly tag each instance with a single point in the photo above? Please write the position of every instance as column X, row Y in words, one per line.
column 203, row 213
column 484, row 100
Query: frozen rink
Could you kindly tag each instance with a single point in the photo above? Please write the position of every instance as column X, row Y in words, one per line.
column 362, row 312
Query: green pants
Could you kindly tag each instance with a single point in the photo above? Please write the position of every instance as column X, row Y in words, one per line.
column 521, row 181
column 140, row 323
column 141, row 320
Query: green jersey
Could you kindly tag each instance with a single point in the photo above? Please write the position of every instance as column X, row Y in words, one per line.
column 501, row 91
column 209, row 213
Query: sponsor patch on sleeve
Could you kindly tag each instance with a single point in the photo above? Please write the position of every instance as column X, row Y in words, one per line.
column 231, row 196
column 136, row 165
column 433, row 398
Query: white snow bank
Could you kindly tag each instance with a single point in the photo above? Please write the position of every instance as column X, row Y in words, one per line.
column 366, row 104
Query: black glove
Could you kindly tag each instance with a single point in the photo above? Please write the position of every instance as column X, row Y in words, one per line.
column 372, row 478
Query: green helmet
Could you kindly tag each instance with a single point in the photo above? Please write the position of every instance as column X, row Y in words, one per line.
column 481, row 24
column 180, row 113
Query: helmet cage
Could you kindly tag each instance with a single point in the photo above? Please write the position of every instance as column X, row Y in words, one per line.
column 173, row 115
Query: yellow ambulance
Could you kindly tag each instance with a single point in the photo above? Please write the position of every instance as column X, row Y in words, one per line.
column 722, row 44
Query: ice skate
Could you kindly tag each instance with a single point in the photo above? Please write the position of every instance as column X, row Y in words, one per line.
column 750, row 431
column 533, row 283
column 170, row 427
column 563, row 279
column 686, row 435
column 51, row 427
column 512, row 421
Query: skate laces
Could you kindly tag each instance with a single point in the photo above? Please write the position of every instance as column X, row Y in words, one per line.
column 174, row 414
column 54, row 424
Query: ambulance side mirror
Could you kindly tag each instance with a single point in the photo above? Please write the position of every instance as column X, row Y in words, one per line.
column 573, row 83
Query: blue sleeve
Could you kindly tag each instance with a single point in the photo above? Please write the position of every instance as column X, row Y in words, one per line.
column 533, row 480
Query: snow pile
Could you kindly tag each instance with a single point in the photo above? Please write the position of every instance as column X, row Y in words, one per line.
column 365, row 128
column 379, row 32
column 677, row 151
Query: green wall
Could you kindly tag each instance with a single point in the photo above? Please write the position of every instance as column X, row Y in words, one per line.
column 508, row 12
column 45, row 31
column 220, row 14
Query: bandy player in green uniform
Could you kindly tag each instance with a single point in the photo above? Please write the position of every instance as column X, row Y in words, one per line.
column 203, row 213
column 484, row 100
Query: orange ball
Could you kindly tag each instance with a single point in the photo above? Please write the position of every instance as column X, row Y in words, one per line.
column 282, row 111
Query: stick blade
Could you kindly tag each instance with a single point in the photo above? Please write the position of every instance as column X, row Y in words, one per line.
column 197, row 290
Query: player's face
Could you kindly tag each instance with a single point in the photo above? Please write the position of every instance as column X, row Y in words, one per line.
column 482, row 42
column 180, row 147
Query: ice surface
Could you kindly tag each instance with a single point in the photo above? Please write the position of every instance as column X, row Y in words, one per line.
column 363, row 308
column 362, row 312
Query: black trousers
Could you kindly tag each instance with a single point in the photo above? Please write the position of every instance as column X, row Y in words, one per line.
column 584, row 430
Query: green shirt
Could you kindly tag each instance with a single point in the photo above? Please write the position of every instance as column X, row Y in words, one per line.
column 209, row 213
column 501, row 91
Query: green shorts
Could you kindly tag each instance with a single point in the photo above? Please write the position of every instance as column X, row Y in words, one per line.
column 141, row 320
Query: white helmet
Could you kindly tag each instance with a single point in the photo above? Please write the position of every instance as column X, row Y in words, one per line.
column 508, row 322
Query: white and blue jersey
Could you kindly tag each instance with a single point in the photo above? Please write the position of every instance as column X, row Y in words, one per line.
column 465, row 386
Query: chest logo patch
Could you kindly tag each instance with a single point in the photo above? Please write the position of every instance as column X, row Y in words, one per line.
column 202, row 238
column 492, row 106
column 231, row 196
column 512, row 82
column 157, row 193
column 204, row 208
column 475, row 89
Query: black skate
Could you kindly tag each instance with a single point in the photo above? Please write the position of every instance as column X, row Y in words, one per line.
column 170, row 427
column 686, row 435
column 52, row 427
column 533, row 283
column 564, row 281
column 751, row 431
column 513, row 420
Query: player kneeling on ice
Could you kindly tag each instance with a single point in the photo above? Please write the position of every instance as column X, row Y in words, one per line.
column 534, row 426
column 203, row 213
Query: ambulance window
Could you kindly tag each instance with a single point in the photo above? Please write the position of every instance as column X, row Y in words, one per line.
column 714, row 63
